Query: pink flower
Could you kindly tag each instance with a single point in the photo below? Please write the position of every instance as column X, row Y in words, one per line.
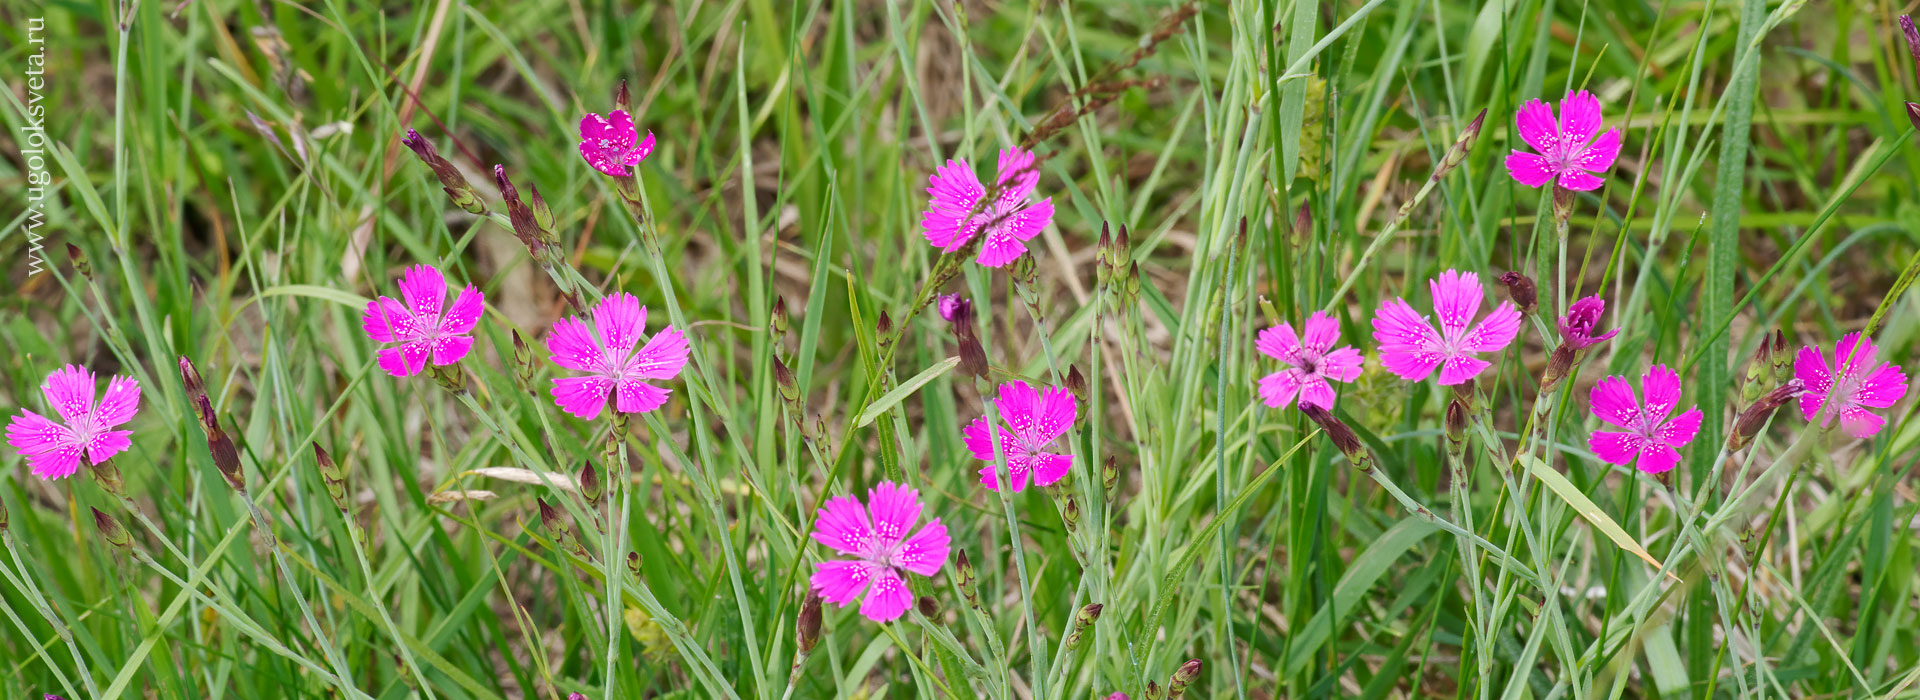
column 1568, row 152
column 53, row 449
column 1009, row 221
column 1410, row 348
column 1582, row 318
column 608, row 143
column 1310, row 364
column 876, row 537
column 606, row 351
column 1650, row 435
column 1858, row 389
column 1032, row 421
column 418, row 325
column 949, row 303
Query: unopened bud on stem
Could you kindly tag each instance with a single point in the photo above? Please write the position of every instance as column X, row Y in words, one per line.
column 332, row 476
column 110, row 530
column 1521, row 290
column 226, row 457
column 1182, row 677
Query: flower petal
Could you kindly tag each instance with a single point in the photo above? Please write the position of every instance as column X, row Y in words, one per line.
column 119, row 404
column 386, row 320
column 1580, row 180
column 661, row 358
column 1615, row 448
column 1529, row 169
column 888, row 599
column 1409, row 347
column 1657, row 457
column 978, row 439
column 1342, row 365
column 1018, row 175
column 1019, row 467
column 954, row 190
column 570, row 344
column 926, row 551
column 640, row 152
column 107, row 444
column 1859, row 422
column 58, row 463
column 619, row 319
column 1579, row 119
column 466, row 311
column 1661, row 388
column 635, row 396
column 1459, row 368
column 1811, row 368
column 1598, row 156
column 1612, row 401
column 1279, row 388
column 31, row 433
column 1280, row 343
column 69, row 391
column 1319, row 333
column 841, row 523
column 425, row 290
column 450, row 349
column 895, row 509
column 1884, row 386
column 1680, row 431
column 1535, row 122
column 405, row 360
column 1019, row 408
column 840, row 582
column 1495, row 331
column 583, row 397
column 999, row 249
column 1057, row 411
column 1316, row 392
column 1456, row 300
column 1049, row 468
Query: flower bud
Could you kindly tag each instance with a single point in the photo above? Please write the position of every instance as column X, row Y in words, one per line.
column 807, row 627
column 1103, row 257
column 1913, row 114
column 3, row 516
column 1562, row 206
column 1076, row 383
column 79, row 258
column 965, row 571
column 523, row 361
column 1182, row 677
column 542, row 214
column 1577, row 326
column 332, row 476
column 1341, row 435
column 525, row 227
column 450, row 178
column 1071, row 514
column 226, row 457
column 449, row 377
column 1109, row 475
column 1521, row 290
column 1913, row 39
column 1759, row 371
column 108, row 477
column 1559, row 365
column 1086, row 616
column 1461, row 146
column 783, row 377
column 883, row 329
column 1302, row 224
column 1749, row 422
column 1456, row 421
column 928, row 608
column 778, row 317
column 1024, row 270
column 549, row 518
column 622, row 100
column 1153, row 691
column 110, row 530
column 1782, row 360
column 633, row 564
column 590, row 484
column 1133, row 283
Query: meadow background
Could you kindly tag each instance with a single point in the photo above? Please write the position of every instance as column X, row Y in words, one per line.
column 231, row 179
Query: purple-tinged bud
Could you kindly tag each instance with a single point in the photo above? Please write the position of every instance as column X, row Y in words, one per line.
column 79, row 258
column 1024, row 270
column 3, row 516
column 1582, row 319
column 1913, row 114
column 1153, row 691
column 1456, row 421
column 1913, row 38
column 1302, row 224
column 450, row 178
column 1759, row 371
column 633, row 564
column 928, row 608
column 973, row 358
column 332, row 476
column 226, row 457
column 1461, row 146
column 622, row 100
column 110, row 530
column 108, row 477
column 1109, row 475
column 524, row 360
column 965, row 570
column 590, row 486
column 1342, row 436
column 778, row 317
column 1782, row 360
column 525, row 227
column 1071, row 514
column 1182, row 677
column 1521, row 290
column 542, row 214
column 883, row 328
column 1749, row 422
column 1559, row 365
column 1076, row 383
column 1562, row 206
column 1087, row 615
column 783, row 378
column 549, row 518
column 807, row 626
column 949, row 304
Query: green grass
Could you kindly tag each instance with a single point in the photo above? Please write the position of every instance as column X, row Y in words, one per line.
column 236, row 188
